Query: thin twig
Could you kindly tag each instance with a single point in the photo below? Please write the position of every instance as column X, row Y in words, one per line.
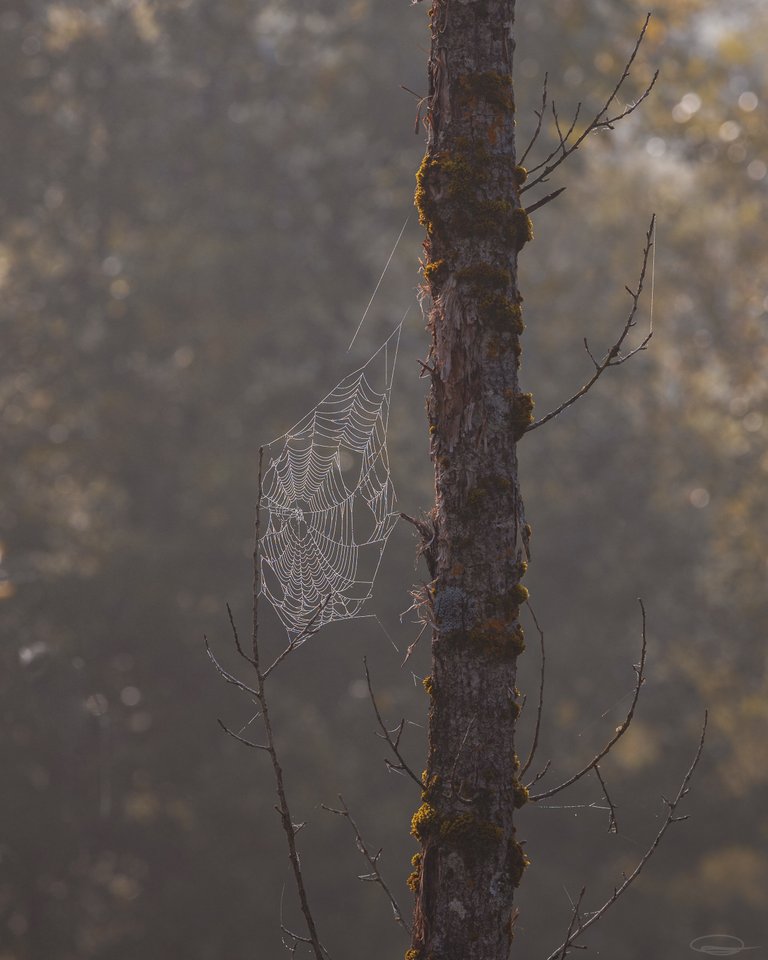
column 394, row 745
column 307, row 631
column 571, row 936
column 601, row 121
column 283, row 808
column 540, row 775
column 540, row 708
column 545, row 200
column 540, row 115
column 419, row 105
column 259, row 694
column 236, row 736
column 372, row 860
column 574, row 922
column 620, row 730
column 226, row 675
column 613, row 824
column 613, row 357
column 238, row 645
column 412, row 646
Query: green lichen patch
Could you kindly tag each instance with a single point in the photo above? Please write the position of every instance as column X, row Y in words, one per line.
column 489, row 85
column 471, row 835
column 520, row 794
column 457, row 178
column 478, row 218
column 421, row 199
column 429, row 685
column 521, row 228
column 518, row 594
column 517, row 862
column 498, row 311
column 498, row 638
column 521, row 175
column 435, row 271
column 484, row 277
column 424, row 821
column 462, row 174
column 521, row 412
column 431, row 785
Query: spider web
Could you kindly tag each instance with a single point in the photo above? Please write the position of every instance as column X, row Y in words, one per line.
column 330, row 501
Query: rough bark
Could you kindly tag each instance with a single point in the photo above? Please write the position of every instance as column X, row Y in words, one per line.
column 469, row 202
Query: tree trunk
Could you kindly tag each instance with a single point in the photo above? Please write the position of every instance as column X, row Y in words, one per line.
column 468, row 197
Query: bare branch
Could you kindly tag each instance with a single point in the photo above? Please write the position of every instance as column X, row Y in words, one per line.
column 583, row 925
column 602, row 120
column 620, row 730
column 540, row 775
column 236, row 736
column 540, row 115
column 575, row 922
column 238, row 645
column 412, row 646
column 545, row 200
column 419, row 107
column 226, row 675
column 259, row 694
column 613, row 825
column 309, row 630
column 283, row 810
column 613, row 357
column 564, row 139
column 372, row 860
column 427, row 529
column 394, row 745
column 290, row 835
column 540, row 708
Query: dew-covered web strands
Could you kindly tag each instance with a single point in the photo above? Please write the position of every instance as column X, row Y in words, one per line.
column 330, row 502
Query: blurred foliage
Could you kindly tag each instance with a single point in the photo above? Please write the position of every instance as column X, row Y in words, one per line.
column 196, row 201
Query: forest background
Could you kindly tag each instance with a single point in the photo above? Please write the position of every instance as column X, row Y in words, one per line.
column 196, row 201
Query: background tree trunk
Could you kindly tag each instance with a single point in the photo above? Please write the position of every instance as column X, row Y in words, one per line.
column 468, row 200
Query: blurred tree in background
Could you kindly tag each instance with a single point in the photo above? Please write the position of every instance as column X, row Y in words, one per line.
column 196, row 201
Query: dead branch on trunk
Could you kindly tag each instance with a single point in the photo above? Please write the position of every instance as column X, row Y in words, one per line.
column 372, row 861
column 540, row 708
column 392, row 737
column 577, row 926
column 539, row 114
column 602, row 120
column 545, row 200
column 614, row 356
column 613, row 824
column 620, row 730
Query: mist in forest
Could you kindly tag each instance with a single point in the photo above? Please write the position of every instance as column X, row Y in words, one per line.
column 197, row 201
